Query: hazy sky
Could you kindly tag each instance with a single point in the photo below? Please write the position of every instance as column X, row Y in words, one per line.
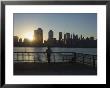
column 78, row 23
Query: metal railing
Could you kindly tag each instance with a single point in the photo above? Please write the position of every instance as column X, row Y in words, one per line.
column 71, row 57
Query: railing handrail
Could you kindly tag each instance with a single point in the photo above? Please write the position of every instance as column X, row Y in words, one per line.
column 83, row 56
column 57, row 52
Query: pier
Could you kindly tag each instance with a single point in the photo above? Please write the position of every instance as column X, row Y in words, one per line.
column 61, row 63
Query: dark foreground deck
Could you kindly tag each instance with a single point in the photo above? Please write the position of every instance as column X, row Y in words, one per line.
column 53, row 69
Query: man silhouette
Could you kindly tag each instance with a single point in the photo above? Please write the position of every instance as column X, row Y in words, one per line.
column 48, row 51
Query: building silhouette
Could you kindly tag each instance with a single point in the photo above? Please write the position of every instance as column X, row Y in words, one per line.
column 81, row 37
column 26, row 40
column 91, row 38
column 87, row 38
column 50, row 34
column 73, row 36
column 51, row 41
column 76, row 37
column 64, row 39
column 67, row 36
column 20, row 40
column 38, row 36
column 60, row 41
column 15, row 38
column 60, row 36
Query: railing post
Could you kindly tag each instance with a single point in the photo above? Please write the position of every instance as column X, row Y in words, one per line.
column 28, row 57
column 24, row 57
column 34, row 58
column 54, row 58
column 21, row 55
column 17, row 56
column 83, row 57
column 93, row 62
column 63, row 58
column 74, row 58
column 90, row 61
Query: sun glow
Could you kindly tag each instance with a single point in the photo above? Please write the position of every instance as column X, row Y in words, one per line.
column 29, row 35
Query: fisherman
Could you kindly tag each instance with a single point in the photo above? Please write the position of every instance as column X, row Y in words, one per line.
column 48, row 51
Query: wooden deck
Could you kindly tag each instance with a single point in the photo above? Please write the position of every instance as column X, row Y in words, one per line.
column 53, row 69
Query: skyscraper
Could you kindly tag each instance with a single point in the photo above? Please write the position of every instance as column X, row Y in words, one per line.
column 91, row 38
column 81, row 37
column 20, row 40
column 50, row 34
column 60, row 36
column 73, row 36
column 15, row 38
column 64, row 38
column 26, row 40
column 67, row 35
column 38, row 36
column 76, row 37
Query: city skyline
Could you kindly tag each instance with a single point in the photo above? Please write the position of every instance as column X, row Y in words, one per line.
column 38, row 36
column 84, row 24
column 69, row 40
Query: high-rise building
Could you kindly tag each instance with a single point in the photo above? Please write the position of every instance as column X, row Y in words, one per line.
column 81, row 37
column 91, row 38
column 20, row 40
column 67, row 35
column 87, row 38
column 26, row 40
column 76, row 37
column 64, row 38
column 73, row 36
column 15, row 38
column 60, row 36
column 50, row 34
column 38, row 36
